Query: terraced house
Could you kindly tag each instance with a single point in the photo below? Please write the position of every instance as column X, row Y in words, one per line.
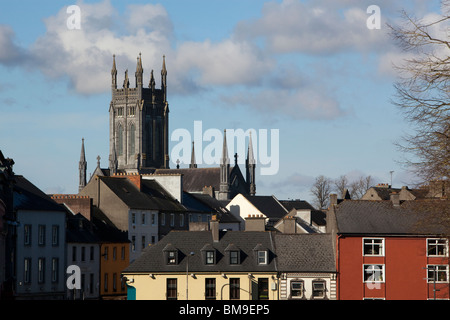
column 231, row 265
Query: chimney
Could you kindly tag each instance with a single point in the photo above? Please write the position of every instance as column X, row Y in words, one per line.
column 395, row 198
column 289, row 224
column 333, row 199
column 214, row 226
column 136, row 179
column 255, row 223
column 208, row 190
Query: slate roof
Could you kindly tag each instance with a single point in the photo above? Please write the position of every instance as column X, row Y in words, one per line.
column 152, row 259
column 152, row 195
column 195, row 179
column 215, row 206
column 296, row 204
column 304, row 252
column 268, row 205
column 29, row 197
column 382, row 217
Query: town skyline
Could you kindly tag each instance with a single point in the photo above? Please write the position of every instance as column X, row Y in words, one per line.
column 314, row 71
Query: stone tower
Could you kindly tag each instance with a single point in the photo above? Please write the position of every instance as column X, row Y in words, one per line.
column 138, row 122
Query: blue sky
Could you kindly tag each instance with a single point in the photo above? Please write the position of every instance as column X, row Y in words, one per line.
column 310, row 69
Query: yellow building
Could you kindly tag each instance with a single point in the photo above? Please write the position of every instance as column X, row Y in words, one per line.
column 206, row 265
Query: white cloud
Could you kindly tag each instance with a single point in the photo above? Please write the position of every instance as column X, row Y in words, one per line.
column 10, row 53
column 294, row 26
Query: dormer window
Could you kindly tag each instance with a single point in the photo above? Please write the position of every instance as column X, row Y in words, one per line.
column 172, row 257
column 210, row 257
column 233, row 254
column 208, row 254
column 262, row 257
column 234, row 257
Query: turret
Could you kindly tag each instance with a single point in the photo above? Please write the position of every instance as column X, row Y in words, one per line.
column 114, row 74
column 224, row 189
column 82, row 167
column 250, row 166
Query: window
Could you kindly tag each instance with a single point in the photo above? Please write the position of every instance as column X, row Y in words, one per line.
column 114, row 253
column 234, row 289
column 83, row 253
column 373, row 247
column 120, row 140
column 163, row 219
column 438, row 273
column 172, row 219
column 132, row 137
column 133, row 243
column 55, row 235
column 234, row 257
column 263, row 288
column 114, row 282
column 181, row 220
column 55, row 262
column 171, row 289
column 297, row 289
column 132, row 111
column 172, row 257
column 41, row 235
column 373, row 273
column 27, row 234
column 210, row 257
column 120, row 111
column 91, row 283
column 74, row 253
column 27, row 271
column 105, row 282
column 210, row 288
column 143, row 242
column 262, row 257
column 153, row 219
column 91, row 254
column 437, row 247
column 133, row 218
column 143, row 219
column 123, row 253
column 105, row 254
column 318, row 289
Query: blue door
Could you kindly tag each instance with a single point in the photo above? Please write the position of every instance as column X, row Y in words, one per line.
column 131, row 293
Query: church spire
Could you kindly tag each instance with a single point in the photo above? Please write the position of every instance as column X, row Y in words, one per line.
column 139, row 71
column 164, row 78
column 82, row 166
column 224, row 191
column 250, row 168
column 114, row 73
column 193, row 162
column 151, row 84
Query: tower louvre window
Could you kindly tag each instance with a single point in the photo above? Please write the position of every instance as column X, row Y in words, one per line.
column 120, row 140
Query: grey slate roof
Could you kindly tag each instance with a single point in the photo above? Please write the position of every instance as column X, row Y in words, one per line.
column 304, row 252
column 29, row 197
column 382, row 217
column 152, row 259
column 268, row 205
column 151, row 196
column 287, row 252
column 195, row 179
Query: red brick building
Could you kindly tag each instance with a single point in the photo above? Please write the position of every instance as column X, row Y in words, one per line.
column 391, row 250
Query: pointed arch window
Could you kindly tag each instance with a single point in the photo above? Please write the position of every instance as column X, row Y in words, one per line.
column 120, row 140
column 132, row 142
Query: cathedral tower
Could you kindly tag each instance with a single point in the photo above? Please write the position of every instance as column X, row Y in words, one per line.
column 138, row 122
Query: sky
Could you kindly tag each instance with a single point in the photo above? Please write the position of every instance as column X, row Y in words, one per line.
column 318, row 73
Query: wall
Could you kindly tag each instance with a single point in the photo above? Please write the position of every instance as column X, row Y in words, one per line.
column 35, row 251
column 404, row 261
column 148, row 288
column 110, row 266
column 172, row 183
